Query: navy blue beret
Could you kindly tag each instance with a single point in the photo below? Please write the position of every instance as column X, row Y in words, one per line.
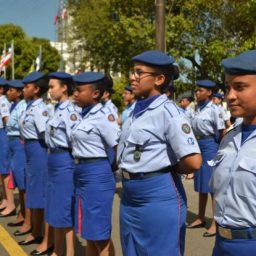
column 186, row 96
column 15, row 84
column 155, row 58
column 128, row 88
column 218, row 95
column 205, row 83
column 33, row 77
column 88, row 77
column 245, row 63
column 3, row 82
column 60, row 75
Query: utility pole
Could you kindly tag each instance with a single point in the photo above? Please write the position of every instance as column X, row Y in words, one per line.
column 160, row 25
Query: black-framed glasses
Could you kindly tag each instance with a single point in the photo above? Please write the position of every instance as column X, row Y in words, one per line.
column 138, row 73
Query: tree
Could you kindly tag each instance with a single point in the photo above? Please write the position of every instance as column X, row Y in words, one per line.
column 26, row 51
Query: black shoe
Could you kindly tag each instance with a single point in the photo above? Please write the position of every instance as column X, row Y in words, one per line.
column 207, row 234
column 12, row 213
column 18, row 233
column 200, row 225
column 17, row 224
column 37, row 240
column 36, row 252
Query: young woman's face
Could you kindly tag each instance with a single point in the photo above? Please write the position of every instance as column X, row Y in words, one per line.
column 241, row 95
column 30, row 92
column 57, row 91
column 85, row 95
column 202, row 94
column 13, row 94
column 145, row 82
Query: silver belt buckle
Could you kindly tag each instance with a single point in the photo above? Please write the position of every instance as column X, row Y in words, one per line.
column 197, row 137
column 49, row 151
column 126, row 175
column 225, row 233
column 77, row 161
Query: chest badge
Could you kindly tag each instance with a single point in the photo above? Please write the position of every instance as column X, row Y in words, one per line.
column 137, row 153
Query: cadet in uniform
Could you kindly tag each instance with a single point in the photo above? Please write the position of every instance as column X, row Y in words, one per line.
column 156, row 144
column 17, row 157
column 207, row 124
column 234, row 175
column 129, row 101
column 217, row 100
column 32, row 129
column 7, row 206
column 94, row 180
column 185, row 102
column 60, row 183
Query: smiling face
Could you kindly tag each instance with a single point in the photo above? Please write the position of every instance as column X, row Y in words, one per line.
column 86, row 95
column 241, row 95
column 145, row 82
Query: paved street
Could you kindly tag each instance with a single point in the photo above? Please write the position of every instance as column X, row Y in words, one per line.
column 196, row 244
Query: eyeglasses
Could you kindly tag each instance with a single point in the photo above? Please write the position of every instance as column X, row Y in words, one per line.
column 138, row 73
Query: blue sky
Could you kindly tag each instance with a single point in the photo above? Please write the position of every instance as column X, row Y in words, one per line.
column 36, row 17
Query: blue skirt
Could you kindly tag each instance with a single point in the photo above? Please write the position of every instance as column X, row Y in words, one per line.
column 17, row 160
column 150, row 217
column 234, row 247
column 60, row 190
column 36, row 174
column 3, row 152
column 94, row 192
column 209, row 148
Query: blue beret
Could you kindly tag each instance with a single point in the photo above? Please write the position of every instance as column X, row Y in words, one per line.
column 245, row 63
column 3, row 82
column 15, row 84
column 218, row 95
column 33, row 77
column 155, row 58
column 88, row 77
column 205, row 83
column 60, row 75
column 128, row 88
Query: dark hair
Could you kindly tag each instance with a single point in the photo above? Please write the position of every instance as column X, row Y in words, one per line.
column 101, row 87
column 171, row 73
column 70, row 85
column 108, row 80
column 5, row 88
column 42, row 84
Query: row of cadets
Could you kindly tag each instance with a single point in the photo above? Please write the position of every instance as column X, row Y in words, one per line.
column 16, row 152
column 207, row 124
column 156, row 144
column 234, row 167
column 185, row 104
column 7, row 206
column 94, row 181
column 32, row 128
column 61, row 166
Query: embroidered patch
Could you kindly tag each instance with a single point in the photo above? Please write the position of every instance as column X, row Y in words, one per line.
column 45, row 113
column 73, row 117
column 191, row 141
column 186, row 128
column 111, row 118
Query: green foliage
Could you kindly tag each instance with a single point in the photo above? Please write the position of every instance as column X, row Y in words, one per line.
column 26, row 50
column 199, row 33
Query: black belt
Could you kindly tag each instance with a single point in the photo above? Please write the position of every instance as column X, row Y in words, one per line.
column 13, row 137
column 88, row 160
column 143, row 175
column 30, row 140
column 204, row 137
column 228, row 233
column 58, row 150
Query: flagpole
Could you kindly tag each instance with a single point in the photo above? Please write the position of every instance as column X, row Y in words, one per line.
column 13, row 71
column 4, row 67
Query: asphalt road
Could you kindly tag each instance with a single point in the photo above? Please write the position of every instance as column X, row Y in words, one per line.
column 196, row 244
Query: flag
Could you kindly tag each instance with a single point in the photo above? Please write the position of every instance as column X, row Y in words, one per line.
column 32, row 68
column 39, row 59
column 6, row 58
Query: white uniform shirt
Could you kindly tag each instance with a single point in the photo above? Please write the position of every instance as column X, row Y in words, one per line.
column 4, row 109
column 161, row 134
column 234, row 180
